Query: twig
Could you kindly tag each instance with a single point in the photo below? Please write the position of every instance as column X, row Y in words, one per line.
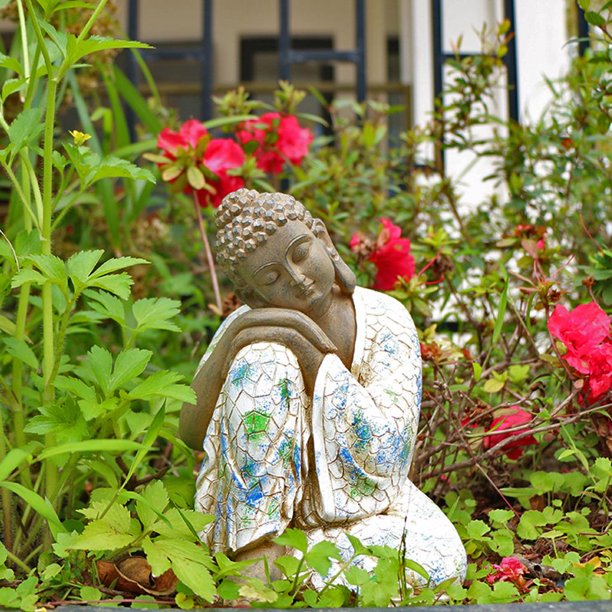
column 209, row 255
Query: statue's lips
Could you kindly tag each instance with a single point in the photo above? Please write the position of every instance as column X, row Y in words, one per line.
column 305, row 289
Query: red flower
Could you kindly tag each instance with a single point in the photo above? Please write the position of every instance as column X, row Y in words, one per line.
column 221, row 155
column 510, row 569
column 191, row 148
column 391, row 256
column 189, row 135
column 581, row 330
column 510, row 420
column 585, row 332
column 280, row 139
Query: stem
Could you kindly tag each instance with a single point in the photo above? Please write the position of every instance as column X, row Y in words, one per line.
column 209, row 256
column 24, row 42
column 7, row 514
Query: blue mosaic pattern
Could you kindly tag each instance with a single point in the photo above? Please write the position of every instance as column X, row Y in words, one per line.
column 360, row 426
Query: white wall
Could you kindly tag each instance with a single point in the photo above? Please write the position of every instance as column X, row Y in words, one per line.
column 541, row 50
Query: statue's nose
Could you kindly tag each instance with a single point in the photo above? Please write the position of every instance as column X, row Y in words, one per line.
column 297, row 278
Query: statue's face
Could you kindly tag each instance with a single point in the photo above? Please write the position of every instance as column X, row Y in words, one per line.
column 292, row 269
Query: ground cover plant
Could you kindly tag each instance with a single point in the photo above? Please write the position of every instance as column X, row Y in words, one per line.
column 108, row 297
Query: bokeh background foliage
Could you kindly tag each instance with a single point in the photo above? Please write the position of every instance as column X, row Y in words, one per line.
column 107, row 301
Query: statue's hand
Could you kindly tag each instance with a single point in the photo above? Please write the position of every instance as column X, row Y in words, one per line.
column 284, row 319
column 291, row 328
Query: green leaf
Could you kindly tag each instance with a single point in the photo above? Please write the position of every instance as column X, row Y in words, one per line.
column 7, row 326
column 64, row 420
column 38, row 504
column 115, row 167
column 128, row 365
column 154, row 500
column 25, row 128
column 493, row 385
column 90, row 446
column 110, row 532
column 293, row 538
column 157, row 558
column 477, row 368
column 501, row 516
column 107, row 305
column 119, row 284
column 94, row 44
column 27, row 275
column 163, row 384
column 518, row 373
column 318, row 557
column 356, row 576
column 19, row 349
column 81, row 264
column 12, row 86
column 52, row 268
column 14, row 458
column 189, row 562
column 154, row 313
column 10, row 63
column 595, row 18
column 477, row 529
column 117, row 263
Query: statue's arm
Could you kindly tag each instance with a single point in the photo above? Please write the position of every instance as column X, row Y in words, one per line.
column 291, row 328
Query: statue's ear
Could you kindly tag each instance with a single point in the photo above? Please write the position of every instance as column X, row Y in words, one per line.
column 345, row 277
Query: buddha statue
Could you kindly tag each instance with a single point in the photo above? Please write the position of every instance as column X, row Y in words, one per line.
column 308, row 400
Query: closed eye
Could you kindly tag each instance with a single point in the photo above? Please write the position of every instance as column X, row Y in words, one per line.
column 267, row 278
column 301, row 251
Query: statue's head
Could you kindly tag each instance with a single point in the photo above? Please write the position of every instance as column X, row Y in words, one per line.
column 276, row 254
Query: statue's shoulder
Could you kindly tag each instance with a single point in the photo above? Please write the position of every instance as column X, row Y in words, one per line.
column 378, row 303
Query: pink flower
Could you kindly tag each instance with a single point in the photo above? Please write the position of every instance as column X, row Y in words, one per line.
column 391, row 256
column 189, row 135
column 510, row 569
column 513, row 418
column 280, row 139
column 221, row 155
column 585, row 332
column 191, row 148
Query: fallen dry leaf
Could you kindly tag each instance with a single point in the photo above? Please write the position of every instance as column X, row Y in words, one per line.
column 133, row 575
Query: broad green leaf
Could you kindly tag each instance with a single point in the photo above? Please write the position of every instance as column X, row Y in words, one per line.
column 38, row 504
column 90, row 446
column 154, row 313
column 25, row 128
column 293, row 538
column 115, row 167
column 356, row 576
column 156, row 556
column 119, row 284
column 81, row 264
column 155, row 500
column 320, row 555
column 184, row 523
column 196, row 576
column 64, row 420
column 10, row 63
column 7, row 326
column 493, row 385
column 117, row 263
column 94, row 44
column 19, row 349
column 163, row 384
column 12, row 86
column 100, row 535
column 128, row 365
column 107, row 305
column 52, row 268
column 27, row 275
column 14, row 458
column 76, row 387
column 100, row 364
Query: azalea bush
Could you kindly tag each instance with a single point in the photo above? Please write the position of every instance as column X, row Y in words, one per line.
column 511, row 295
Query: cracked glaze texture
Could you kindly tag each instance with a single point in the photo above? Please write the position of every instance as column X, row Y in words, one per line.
column 332, row 465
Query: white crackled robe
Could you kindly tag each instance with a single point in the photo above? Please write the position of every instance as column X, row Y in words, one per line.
column 337, row 463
